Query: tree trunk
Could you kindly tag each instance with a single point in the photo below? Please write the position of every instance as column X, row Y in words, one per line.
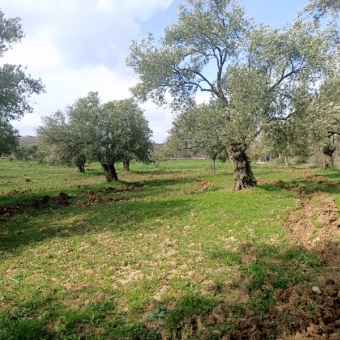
column 81, row 167
column 243, row 175
column 328, row 161
column 126, row 165
column 212, row 165
column 110, row 172
column 286, row 161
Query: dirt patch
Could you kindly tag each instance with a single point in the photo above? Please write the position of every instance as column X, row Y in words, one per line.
column 124, row 188
column 42, row 202
column 315, row 225
column 18, row 192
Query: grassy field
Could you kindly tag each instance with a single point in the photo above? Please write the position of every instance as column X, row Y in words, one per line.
column 165, row 253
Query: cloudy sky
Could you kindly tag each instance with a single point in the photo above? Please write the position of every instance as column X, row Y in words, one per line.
column 78, row 46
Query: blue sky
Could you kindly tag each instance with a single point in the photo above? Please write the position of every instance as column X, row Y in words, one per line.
column 77, row 46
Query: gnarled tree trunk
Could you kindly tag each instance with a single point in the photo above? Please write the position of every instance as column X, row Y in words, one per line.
column 126, row 165
column 328, row 161
column 110, row 172
column 243, row 175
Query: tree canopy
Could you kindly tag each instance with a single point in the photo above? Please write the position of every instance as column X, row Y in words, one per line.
column 16, row 87
column 116, row 131
column 197, row 129
column 252, row 70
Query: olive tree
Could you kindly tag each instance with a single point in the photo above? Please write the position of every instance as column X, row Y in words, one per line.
column 252, row 70
column 116, row 131
column 323, row 7
column 57, row 143
column 200, row 128
column 324, row 119
column 16, row 87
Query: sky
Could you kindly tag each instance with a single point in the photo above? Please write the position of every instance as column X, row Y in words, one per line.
column 78, row 46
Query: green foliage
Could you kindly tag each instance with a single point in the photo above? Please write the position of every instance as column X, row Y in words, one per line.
column 199, row 128
column 8, row 137
column 15, row 86
column 255, row 71
column 113, row 132
column 322, row 7
column 24, row 153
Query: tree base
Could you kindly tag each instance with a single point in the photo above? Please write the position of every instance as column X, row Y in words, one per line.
column 243, row 175
column 110, row 172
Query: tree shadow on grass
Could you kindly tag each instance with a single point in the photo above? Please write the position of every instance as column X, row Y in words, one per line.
column 29, row 228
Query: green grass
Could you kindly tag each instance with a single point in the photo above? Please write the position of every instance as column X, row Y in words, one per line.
column 147, row 258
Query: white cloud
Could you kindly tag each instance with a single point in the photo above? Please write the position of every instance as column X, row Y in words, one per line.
column 79, row 46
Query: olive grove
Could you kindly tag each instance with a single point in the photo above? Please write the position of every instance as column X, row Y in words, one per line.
column 253, row 71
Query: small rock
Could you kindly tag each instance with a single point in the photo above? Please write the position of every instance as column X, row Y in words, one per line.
column 316, row 290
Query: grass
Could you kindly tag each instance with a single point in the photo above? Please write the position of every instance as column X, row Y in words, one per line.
column 146, row 258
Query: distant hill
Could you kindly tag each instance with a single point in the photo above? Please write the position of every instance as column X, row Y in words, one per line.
column 28, row 140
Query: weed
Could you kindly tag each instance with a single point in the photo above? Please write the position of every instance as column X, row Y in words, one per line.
column 189, row 305
column 157, row 313
column 13, row 327
column 304, row 257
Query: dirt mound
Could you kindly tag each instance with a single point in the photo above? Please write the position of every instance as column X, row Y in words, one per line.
column 295, row 314
column 124, row 188
column 314, row 224
column 41, row 202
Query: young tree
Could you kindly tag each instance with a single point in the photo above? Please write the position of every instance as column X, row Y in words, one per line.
column 252, row 70
column 16, row 87
column 200, row 128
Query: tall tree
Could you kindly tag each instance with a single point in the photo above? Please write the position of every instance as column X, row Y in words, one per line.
column 16, row 87
column 252, row 70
